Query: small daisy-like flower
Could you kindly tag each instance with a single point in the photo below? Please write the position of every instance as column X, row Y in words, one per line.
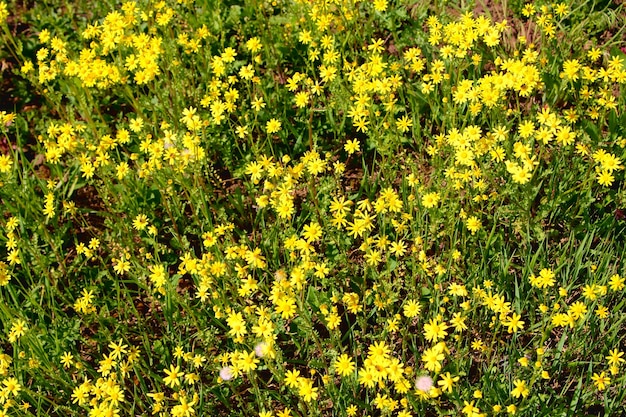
column 273, row 126
column 601, row 380
column 344, row 365
column 351, row 146
column 473, row 224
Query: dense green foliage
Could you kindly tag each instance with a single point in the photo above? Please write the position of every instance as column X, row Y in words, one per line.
column 312, row 208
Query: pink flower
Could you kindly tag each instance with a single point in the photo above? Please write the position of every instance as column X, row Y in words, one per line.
column 260, row 349
column 424, row 383
column 226, row 373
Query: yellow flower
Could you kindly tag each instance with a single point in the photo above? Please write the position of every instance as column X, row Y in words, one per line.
column 469, row 410
column 237, row 324
column 411, row 309
column 18, row 329
column 312, row 232
column 577, row 310
column 398, row 248
column 344, row 365
column 526, row 129
column 380, row 5
column 286, row 306
column 615, row 357
column 601, row 380
column 302, row 99
column 6, row 162
column 351, row 146
column 433, row 330
column 291, row 378
column 367, row 378
column 513, row 323
column 520, row 389
column 12, row 386
column 333, row 321
column 570, row 69
column 561, row 9
column 617, row 283
column 458, row 322
column 247, row 361
column 605, row 178
column 430, row 200
column 118, row 349
column 173, row 375
column 254, row 45
column 404, row 123
column 273, row 126
column 258, row 103
column 136, row 125
column 306, row 389
column 473, row 224
column 447, row 381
